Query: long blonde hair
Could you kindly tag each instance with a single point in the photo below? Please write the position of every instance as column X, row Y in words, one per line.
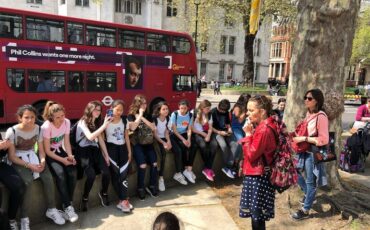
column 203, row 104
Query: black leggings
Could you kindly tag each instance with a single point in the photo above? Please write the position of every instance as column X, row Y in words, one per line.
column 119, row 154
column 258, row 225
column 14, row 183
column 91, row 160
column 184, row 156
column 163, row 154
column 65, row 178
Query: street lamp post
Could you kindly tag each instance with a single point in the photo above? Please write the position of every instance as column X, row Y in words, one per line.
column 196, row 3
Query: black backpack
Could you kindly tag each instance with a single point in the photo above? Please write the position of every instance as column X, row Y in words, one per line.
column 355, row 144
column 366, row 139
column 72, row 136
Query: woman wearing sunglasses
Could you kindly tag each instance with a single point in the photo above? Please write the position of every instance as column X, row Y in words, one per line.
column 259, row 145
column 318, row 135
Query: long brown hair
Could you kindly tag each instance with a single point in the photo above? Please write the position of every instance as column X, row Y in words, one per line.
column 136, row 103
column 88, row 117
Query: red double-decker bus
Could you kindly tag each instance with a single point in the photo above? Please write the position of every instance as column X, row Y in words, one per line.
column 73, row 61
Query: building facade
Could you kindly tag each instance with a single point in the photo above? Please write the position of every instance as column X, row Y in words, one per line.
column 281, row 52
column 220, row 58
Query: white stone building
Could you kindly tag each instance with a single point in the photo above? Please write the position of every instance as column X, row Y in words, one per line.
column 223, row 58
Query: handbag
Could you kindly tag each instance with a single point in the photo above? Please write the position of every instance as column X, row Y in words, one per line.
column 301, row 130
column 325, row 153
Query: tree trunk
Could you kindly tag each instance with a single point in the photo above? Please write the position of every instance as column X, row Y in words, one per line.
column 325, row 31
column 248, row 67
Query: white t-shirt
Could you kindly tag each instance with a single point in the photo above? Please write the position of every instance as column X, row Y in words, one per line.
column 81, row 131
column 198, row 126
column 115, row 133
column 161, row 127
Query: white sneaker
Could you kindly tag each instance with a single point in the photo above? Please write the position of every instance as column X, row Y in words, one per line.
column 25, row 223
column 193, row 175
column 125, row 206
column 55, row 215
column 161, row 186
column 13, row 225
column 188, row 176
column 180, row 178
column 70, row 214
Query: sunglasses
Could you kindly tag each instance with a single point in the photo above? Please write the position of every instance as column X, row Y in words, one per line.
column 308, row 98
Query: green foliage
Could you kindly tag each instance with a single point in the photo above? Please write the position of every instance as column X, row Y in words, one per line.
column 361, row 44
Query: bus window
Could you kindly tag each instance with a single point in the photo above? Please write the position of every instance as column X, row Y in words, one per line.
column 101, row 82
column 10, row 26
column 46, row 81
column 131, row 39
column 158, row 42
column 100, row 36
column 183, row 83
column 16, row 79
column 45, row 30
column 180, row 45
column 76, row 82
column 75, row 33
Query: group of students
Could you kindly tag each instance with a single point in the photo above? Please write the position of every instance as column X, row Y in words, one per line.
column 108, row 145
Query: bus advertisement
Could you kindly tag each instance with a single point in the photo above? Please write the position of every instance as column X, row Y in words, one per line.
column 74, row 61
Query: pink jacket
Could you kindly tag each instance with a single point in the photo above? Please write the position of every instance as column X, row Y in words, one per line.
column 319, row 130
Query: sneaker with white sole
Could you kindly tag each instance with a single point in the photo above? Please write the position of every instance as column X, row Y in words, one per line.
column 25, row 223
column 55, row 215
column 70, row 214
column 180, row 178
column 228, row 172
column 193, row 175
column 188, row 176
column 161, row 185
column 13, row 225
column 125, row 206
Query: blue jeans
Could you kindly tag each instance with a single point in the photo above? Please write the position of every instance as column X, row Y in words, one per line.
column 308, row 184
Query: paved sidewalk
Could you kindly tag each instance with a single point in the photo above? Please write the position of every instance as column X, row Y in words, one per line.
column 197, row 206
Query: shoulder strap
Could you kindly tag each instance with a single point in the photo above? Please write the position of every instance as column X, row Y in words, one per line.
column 176, row 114
column 14, row 134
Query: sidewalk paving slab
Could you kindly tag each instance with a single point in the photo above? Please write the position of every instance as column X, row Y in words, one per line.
column 197, row 206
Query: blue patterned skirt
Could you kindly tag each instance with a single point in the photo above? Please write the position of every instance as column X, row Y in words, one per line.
column 258, row 198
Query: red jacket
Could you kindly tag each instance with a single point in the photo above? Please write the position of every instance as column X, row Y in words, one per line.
column 261, row 142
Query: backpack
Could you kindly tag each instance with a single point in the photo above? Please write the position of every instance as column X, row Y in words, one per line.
column 73, row 136
column 355, row 145
column 345, row 160
column 283, row 173
column 144, row 134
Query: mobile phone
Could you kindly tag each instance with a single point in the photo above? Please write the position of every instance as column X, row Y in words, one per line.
column 247, row 122
column 110, row 113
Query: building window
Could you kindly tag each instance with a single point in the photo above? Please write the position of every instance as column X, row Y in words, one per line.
column 230, row 72
column 257, row 47
column 171, row 10
column 128, row 6
column 221, row 72
column 62, row 2
column 203, row 69
column 35, row 1
column 276, row 49
column 82, row 2
column 232, row 45
column 223, row 44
